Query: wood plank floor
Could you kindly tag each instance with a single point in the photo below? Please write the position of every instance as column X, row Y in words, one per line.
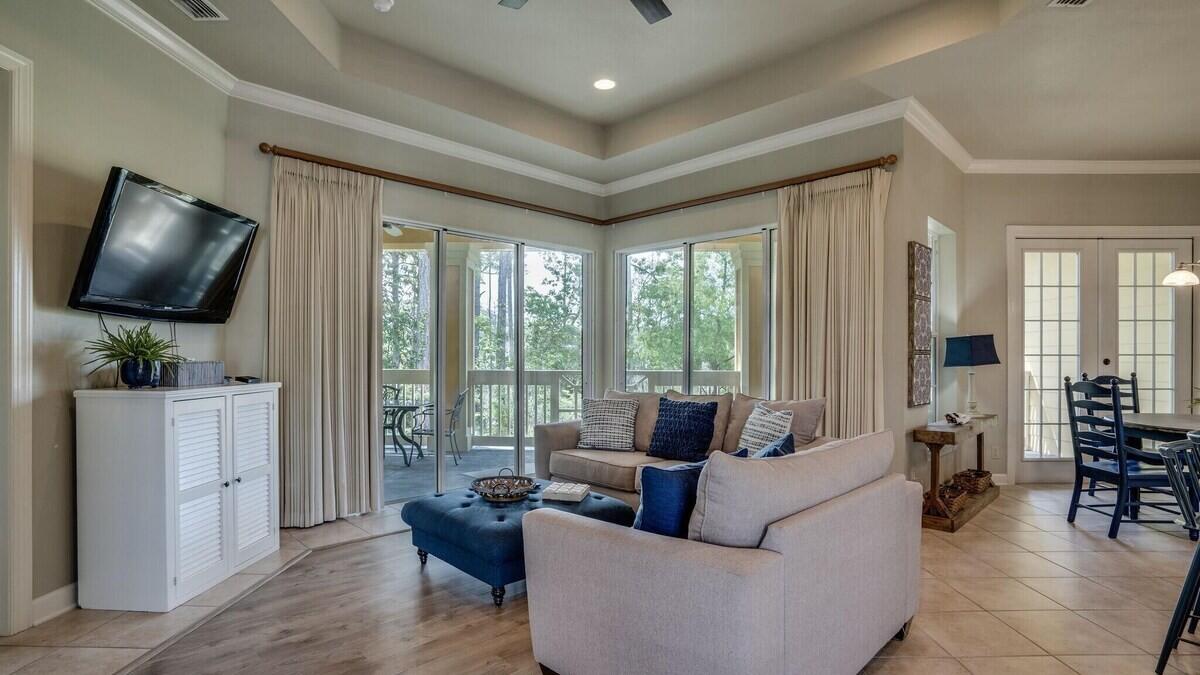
column 364, row 607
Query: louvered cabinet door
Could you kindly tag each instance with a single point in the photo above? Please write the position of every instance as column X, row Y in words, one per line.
column 201, row 477
column 254, row 435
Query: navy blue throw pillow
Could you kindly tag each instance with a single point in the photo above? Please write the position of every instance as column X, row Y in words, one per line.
column 777, row 448
column 683, row 431
column 668, row 496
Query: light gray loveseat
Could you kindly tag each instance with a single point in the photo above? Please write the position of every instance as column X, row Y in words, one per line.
column 619, row 473
column 818, row 569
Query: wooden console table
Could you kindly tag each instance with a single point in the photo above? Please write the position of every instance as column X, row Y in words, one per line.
column 935, row 514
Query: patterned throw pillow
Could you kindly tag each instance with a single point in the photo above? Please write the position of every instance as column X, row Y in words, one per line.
column 764, row 427
column 781, row 447
column 683, row 430
column 608, row 424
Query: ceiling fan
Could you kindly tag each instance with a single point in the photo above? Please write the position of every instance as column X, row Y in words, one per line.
column 652, row 10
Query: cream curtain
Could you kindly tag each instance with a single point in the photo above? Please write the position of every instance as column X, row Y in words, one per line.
column 323, row 339
column 829, row 298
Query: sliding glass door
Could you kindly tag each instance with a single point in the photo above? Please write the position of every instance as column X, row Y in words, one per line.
column 697, row 317
column 482, row 339
column 554, row 311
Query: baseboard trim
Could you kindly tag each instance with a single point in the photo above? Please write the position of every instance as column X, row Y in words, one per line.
column 54, row 604
column 1000, row 479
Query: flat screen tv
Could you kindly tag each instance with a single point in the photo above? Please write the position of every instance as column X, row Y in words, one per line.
column 157, row 253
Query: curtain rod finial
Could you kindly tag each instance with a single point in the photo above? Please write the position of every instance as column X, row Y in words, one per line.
column 265, row 148
column 890, row 159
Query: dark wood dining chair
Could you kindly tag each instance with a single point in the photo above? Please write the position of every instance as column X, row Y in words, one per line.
column 1130, row 402
column 1101, row 454
column 1181, row 461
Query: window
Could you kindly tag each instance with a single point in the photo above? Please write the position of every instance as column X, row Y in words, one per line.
column 697, row 317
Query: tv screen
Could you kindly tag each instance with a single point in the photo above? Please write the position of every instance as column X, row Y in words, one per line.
column 157, row 253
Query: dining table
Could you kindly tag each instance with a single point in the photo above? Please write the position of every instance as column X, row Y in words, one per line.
column 1159, row 426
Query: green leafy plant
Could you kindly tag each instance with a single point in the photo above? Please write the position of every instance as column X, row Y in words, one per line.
column 131, row 345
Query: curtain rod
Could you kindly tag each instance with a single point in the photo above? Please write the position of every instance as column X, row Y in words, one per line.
column 267, row 148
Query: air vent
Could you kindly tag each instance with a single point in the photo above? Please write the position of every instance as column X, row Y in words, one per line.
column 1069, row 3
column 200, row 10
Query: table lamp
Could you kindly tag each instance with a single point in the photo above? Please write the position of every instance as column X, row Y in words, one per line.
column 969, row 351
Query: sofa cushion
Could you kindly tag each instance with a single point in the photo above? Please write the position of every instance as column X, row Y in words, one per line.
column 616, row 470
column 780, row 447
column 737, row 500
column 668, row 495
column 720, row 422
column 658, row 463
column 608, row 424
column 684, row 430
column 806, row 418
column 647, row 416
column 764, row 427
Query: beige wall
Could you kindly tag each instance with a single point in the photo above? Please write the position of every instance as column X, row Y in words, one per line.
column 995, row 202
column 926, row 185
column 102, row 97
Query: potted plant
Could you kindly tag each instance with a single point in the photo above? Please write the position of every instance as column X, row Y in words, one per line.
column 138, row 353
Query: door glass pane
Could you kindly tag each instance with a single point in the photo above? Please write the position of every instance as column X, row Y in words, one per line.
column 553, row 340
column 654, row 320
column 408, row 288
column 728, row 316
column 1146, row 327
column 479, row 400
column 1052, row 348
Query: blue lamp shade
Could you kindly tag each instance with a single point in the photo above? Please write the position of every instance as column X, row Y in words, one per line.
column 970, row 350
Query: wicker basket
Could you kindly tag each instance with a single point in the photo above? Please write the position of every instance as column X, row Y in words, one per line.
column 973, row 481
column 954, row 497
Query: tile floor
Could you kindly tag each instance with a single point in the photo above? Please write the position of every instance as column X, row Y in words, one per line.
column 93, row 642
column 1020, row 590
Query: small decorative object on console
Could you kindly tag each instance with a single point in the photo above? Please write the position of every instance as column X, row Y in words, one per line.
column 957, row 419
column 503, row 489
column 566, row 492
column 194, row 374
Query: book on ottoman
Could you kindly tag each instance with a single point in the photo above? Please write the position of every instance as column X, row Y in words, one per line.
column 566, row 492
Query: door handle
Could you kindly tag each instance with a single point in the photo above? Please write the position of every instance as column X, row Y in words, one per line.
column 225, row 484
column 238, row 479
column 1107, row 361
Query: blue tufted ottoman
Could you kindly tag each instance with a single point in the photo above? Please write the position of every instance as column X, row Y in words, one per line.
column 483, row 539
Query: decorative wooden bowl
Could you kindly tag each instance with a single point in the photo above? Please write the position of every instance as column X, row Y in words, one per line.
column 503, row 489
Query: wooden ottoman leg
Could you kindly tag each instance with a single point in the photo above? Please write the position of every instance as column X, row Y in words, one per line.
column 498, row 595
column 423, row 555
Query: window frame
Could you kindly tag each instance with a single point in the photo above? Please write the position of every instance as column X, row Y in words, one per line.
column 620, row 294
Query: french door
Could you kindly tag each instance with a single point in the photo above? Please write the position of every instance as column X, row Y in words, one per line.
column 1095, row 306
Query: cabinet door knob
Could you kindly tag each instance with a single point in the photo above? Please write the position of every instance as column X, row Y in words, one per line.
column 225, row 484
column 238, row 479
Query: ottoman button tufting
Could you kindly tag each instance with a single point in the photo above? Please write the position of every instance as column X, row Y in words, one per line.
column 500, row 519
column 466, row 504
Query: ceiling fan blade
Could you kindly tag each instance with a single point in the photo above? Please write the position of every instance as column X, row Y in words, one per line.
column 652, row 10
column 513, row 4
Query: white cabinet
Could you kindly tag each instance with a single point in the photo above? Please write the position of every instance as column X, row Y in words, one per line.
column 177, row 489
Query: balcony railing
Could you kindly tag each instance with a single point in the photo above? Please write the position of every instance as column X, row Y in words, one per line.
column 550, row 396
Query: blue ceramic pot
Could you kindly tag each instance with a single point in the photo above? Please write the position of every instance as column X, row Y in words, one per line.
column 139, row 373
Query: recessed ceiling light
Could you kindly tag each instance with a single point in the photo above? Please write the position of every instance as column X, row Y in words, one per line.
column 604, row 84
column 384, row 5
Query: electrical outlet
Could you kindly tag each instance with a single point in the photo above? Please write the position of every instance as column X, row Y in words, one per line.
column 995, row 452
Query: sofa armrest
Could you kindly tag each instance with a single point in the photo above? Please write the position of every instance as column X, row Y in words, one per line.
column 610, row 599
column 548, row 438
column 860, row 556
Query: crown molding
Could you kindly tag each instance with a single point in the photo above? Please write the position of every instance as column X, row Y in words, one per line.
column 134, row 18
column 167, row 41
column 886, row 112
column 306, row 107
column 1080, row 167
column 924, row 122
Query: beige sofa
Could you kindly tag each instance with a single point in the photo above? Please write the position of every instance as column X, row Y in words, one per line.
column 616, row 473
column 821, row 568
